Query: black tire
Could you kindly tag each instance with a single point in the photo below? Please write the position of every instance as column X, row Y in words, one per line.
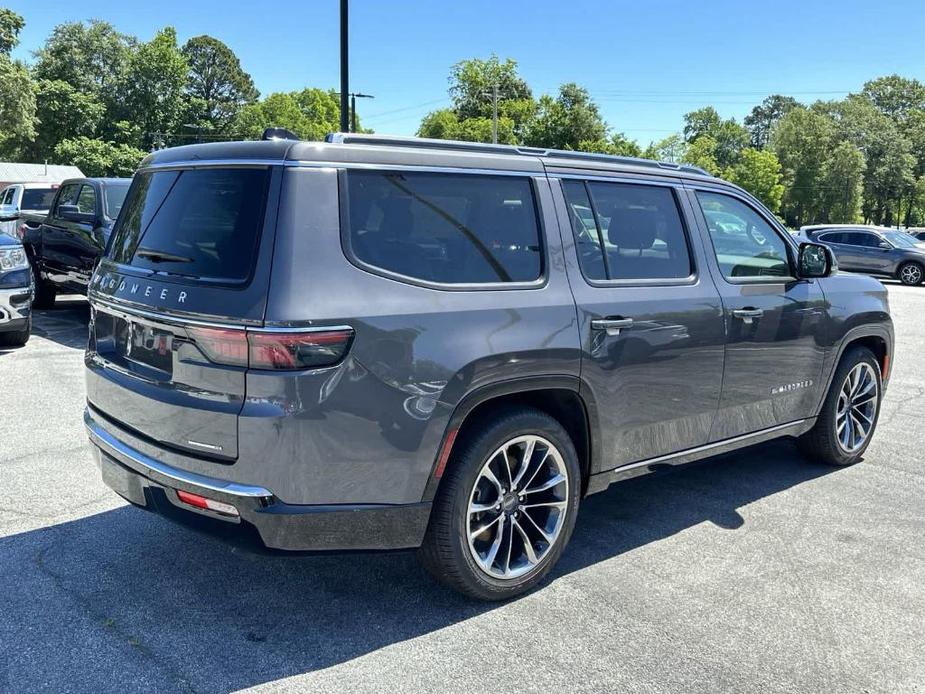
column 910, row 273
column 44, row 293
column 821, row 442
column 445, row 552
column 16, row 338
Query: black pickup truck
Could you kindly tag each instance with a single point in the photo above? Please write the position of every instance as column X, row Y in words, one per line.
column 64, row 245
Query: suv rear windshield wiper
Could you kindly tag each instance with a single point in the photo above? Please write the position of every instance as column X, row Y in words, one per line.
column 162, row 256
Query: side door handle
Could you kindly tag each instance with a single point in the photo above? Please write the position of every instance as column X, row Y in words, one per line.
column 613, row 326
column 748, row 314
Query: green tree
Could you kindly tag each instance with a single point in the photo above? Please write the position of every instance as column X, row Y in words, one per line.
column 843, row 185
column 759, row 172
column 63, row 112
column 894, row 96
column 10, row 26
column 99, row 158
column 152, row 91
column 17, row 91
column 618, row 144
column 890, row 165
column 567, row 120
column 762, row 119
column 730, row 137
column 703, row 121
column 445, row 124
column 702, row 152
column 802, row 141
column 473, row 81
column 670, row 149
column 311, row 114
column 217, row 86
column 92, row 58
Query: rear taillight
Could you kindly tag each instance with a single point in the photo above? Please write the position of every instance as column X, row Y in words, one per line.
column 222, row 345
column 273, row 349
column 305, row 350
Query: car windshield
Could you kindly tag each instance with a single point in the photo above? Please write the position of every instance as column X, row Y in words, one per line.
column 115, row 196
column 900, row 240
column 37, row 198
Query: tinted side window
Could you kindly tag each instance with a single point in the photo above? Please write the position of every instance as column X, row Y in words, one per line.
column 587, row 236
column 86, row 200
column 68, row 196
column 638, row 227
column 744, row 243
column 445, row 228
column 861, row 238
column 7, row 197
column 197, row 223
column 833, row 237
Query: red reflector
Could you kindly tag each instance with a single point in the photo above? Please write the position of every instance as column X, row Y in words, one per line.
column 886, row 366
column 192, row 499
column 445, row 453
column 208, row 504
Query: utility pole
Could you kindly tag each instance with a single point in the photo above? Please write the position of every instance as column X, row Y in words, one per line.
column 353, row 108
column 344, row 66
column 494, row 113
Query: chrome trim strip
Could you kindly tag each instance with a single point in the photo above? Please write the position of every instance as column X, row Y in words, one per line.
column 707, row 447
column 124, row 311
column 135, row 459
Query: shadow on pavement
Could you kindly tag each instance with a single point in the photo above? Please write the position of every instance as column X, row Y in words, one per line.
column 65, row 323
column 124, row 598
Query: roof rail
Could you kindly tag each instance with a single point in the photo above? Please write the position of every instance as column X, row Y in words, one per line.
column 458, row 145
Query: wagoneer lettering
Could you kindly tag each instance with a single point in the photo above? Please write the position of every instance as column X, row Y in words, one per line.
column 446, row 346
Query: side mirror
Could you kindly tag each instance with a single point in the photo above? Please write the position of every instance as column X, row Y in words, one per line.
column 885, row 246
column 72, row 213
column 815, row 260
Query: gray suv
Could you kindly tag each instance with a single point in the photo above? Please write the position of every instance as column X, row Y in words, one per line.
column 389, row 343
column 874, row 251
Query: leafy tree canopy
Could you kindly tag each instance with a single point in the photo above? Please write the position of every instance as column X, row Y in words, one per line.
column 217, row 86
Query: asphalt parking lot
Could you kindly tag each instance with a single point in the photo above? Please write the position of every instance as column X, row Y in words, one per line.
column 756, row 572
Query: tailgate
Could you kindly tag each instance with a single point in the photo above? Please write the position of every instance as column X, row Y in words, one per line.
column 151, row 377
column 189, row 261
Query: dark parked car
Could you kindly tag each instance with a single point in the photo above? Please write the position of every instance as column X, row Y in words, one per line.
column 382, row 343
column 65, row 244
column 15, row 292
column 917, row 233
column 874, row 251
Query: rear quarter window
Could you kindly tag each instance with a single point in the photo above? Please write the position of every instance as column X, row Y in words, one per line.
column 453, row 229
column 196, row 223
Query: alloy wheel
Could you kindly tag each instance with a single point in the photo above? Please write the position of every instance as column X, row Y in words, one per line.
column 911, row 274
column 857, row 407
column 517, row 507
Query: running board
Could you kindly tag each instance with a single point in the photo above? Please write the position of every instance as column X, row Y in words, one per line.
column 602, row 480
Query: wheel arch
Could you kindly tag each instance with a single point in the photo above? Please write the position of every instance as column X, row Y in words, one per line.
column 557, row 396
column 877, row 338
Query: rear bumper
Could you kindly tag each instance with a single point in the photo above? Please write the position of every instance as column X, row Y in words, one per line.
column 263, row 520
column 15, row 307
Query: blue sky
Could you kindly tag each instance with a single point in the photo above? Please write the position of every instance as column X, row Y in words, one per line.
column 646, row 62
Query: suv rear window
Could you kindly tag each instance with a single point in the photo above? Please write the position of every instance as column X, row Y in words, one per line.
column 198, row 223
column 445, row 228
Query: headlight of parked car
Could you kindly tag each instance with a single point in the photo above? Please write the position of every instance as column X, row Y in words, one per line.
column 13, row 259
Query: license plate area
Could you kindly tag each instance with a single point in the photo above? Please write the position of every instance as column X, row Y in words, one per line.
column 144, row 344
